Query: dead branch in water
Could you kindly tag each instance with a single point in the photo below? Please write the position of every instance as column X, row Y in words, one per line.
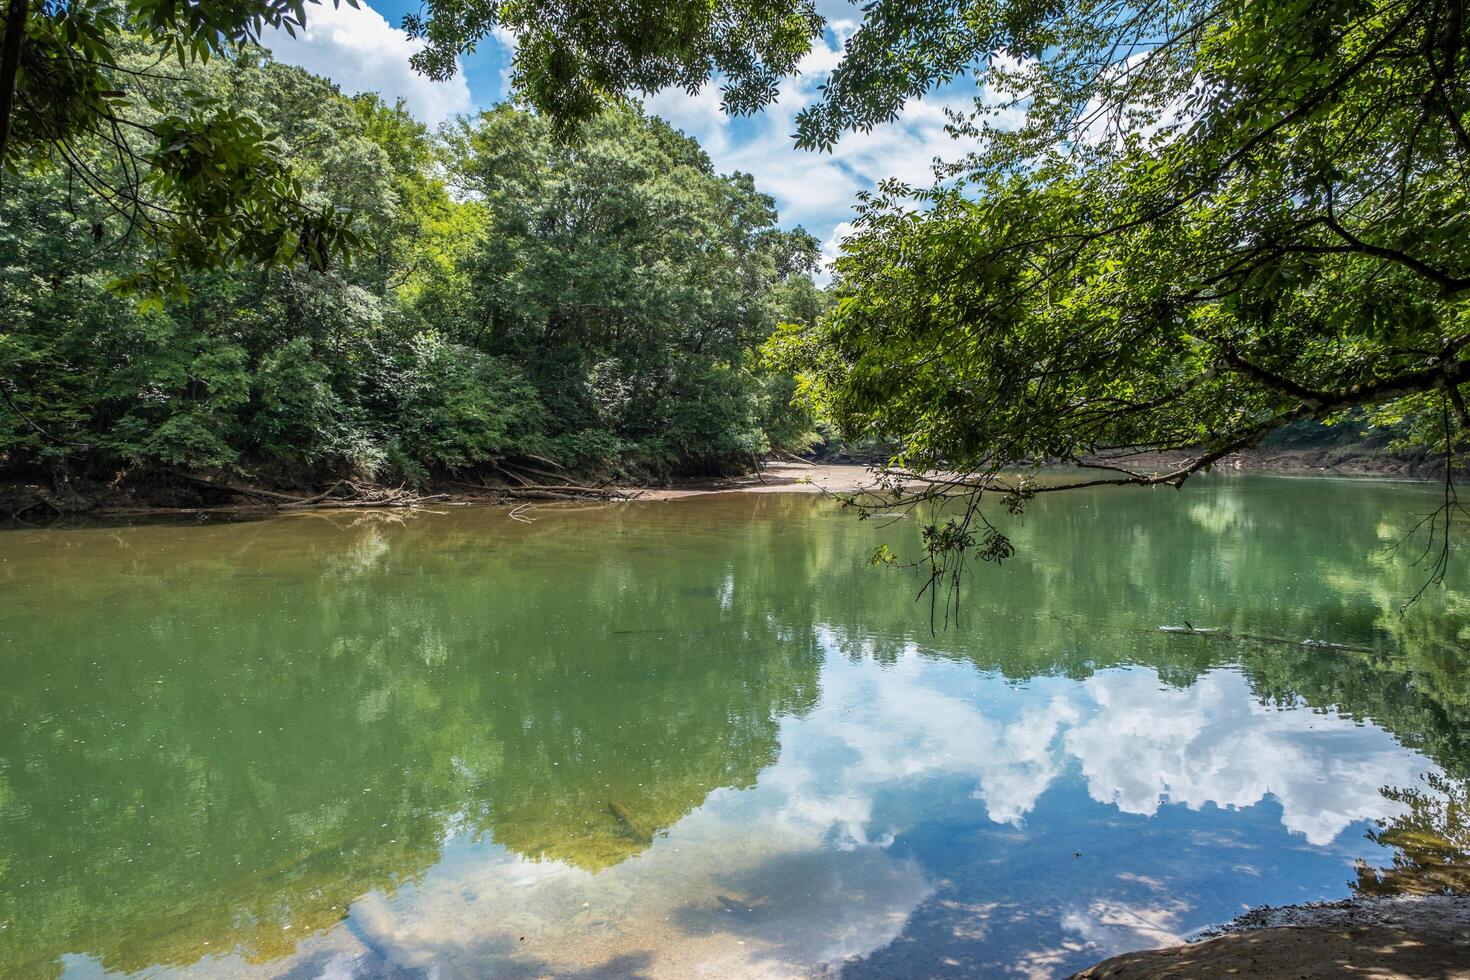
column 550, row 491
column 544, row 474
column 307, row 501
column 343, row 493
column 541, row 492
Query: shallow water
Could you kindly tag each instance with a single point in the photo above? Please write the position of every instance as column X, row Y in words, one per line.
column 703, row 736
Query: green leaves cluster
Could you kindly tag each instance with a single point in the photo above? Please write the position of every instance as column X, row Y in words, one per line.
column 202, row 183
column 575, row 58
column 1186, row 225
column 596, row 302
column 631, row 283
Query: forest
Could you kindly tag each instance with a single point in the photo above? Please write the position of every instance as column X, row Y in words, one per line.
column 290, row 688
column 598, row 304
column 1181, row 228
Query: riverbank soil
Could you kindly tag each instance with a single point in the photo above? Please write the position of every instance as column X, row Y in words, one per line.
column 37, row 499
column 1383, row 939
column 1349, row 461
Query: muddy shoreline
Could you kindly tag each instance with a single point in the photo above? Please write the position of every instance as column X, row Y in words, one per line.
column 37, row 501
column 1397, row 938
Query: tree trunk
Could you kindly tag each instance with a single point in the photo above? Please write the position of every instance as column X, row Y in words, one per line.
column 16, row 15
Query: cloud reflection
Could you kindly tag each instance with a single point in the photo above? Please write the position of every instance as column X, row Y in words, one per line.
column 801, row 870
column 1140, row 744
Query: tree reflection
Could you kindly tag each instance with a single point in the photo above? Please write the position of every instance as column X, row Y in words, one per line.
column 217, row 738
column 189, row 771
column 1431, row 840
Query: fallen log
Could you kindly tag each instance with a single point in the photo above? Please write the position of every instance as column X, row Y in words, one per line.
column 311, row 500
column 514, row 476
column 571, row 488
column 542, row 459
column 235, row 488
column 526, row 493
column 542, row 473
column 405, row 500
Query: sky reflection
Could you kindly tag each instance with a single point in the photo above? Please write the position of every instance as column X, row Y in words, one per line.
column 943, row 818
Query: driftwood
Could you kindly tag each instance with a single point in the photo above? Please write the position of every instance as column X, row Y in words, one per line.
column 549, row 462
column 345, row 494
column 514, row 476
column 525, row 493
column 541, row 473
column 572, row 488
column 407, row 500
column 311, row 500
column 563, row 493
column 356, row 495
column 1215, row 633
column 549, row 491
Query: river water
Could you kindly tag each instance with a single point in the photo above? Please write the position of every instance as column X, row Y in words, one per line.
column 704, row 736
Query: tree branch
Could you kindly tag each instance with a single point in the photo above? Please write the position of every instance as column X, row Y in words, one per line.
column 1451, row 285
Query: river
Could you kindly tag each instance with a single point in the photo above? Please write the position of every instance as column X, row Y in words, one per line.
column 704, row 736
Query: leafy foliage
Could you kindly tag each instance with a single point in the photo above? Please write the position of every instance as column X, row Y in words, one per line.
column 630, row 283
column 575, row 58
column 1431, row 841
column 82, row 93
column 1187, row 225
column 595, row 302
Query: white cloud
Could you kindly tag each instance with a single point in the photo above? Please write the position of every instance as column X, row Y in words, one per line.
column 811, row 188
column 1141, row 745
column 1213, row 743
column 360, row 51
column 832, row 248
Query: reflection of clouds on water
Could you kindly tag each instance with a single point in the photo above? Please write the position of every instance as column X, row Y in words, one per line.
column 1139, row 743
column 816, row 863
column 800, row 870
column 882, row 727
column 719, row 896
column 1212, row 743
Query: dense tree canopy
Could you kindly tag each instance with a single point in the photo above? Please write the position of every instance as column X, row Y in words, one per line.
column 89, row 88
column 1186, row 224
column 1215, row 219
column 631, row 283
column 597, row 303
column 85, row 94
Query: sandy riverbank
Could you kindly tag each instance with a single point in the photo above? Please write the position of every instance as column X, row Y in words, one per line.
column 775, row 477
column 787, row 477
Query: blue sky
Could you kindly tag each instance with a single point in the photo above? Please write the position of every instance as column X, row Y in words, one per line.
column 364, row 50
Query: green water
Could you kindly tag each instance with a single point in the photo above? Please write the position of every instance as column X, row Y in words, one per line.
column 657, row 739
